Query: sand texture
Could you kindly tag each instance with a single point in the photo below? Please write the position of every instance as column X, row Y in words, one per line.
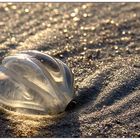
column 100, row 43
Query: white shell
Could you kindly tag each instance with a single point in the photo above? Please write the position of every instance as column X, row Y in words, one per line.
column 35, row 83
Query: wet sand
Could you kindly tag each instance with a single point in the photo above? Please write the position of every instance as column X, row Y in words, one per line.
column 100, row 43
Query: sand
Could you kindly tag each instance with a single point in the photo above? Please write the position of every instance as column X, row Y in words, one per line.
column 100, row 43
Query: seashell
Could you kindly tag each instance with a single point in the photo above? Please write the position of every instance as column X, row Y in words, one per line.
column 35, row 83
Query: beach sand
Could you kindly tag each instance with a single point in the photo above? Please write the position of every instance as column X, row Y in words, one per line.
column 100, row 43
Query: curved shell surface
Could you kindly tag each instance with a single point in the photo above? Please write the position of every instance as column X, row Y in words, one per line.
column 35, row 83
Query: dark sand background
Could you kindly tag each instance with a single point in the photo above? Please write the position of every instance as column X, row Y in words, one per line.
column 100, row 43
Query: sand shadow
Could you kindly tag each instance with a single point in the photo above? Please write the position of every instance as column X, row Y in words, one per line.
column 5, row 125
column 87, row 95
column 121, row 92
